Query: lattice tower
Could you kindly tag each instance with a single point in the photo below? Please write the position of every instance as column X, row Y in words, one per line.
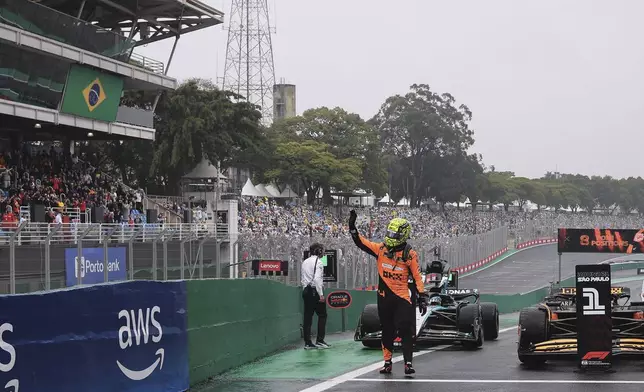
column 249, row 69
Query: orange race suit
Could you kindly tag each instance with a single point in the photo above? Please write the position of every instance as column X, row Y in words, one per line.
column 395, row 308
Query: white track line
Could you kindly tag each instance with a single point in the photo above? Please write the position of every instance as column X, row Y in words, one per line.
column 352, row 375
column 364, row 370
column 379, row 380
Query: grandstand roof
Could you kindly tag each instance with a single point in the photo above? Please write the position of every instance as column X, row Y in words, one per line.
column 12, row 126
column 156, row 19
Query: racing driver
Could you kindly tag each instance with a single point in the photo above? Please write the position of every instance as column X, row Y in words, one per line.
column 396, row 262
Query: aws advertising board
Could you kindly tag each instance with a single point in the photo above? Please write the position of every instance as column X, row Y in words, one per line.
column 112, row 337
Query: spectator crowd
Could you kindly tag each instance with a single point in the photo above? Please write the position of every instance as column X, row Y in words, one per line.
column 67, row 186
column 265, row 218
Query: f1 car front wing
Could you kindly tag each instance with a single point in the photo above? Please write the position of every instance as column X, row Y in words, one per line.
column 564, row 348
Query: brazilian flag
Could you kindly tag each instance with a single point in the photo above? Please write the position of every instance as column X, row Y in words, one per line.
column 91, row 93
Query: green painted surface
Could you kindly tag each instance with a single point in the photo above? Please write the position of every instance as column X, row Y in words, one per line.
column 233, row 322
column 344, row 355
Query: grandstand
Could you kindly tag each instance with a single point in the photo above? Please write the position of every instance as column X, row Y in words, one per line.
column 65, row 66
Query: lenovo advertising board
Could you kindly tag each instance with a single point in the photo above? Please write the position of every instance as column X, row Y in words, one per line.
column 127, row 336
column 594, row 322
column 92, row 266
column 270, row 267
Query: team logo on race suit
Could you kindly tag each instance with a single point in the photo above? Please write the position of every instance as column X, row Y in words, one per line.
column 138, row 324
column 12, row 385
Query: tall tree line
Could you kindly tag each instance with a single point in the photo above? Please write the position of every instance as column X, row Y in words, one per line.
column 416, row 146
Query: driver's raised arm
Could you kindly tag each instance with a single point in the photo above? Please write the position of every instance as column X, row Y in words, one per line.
column 360, row 241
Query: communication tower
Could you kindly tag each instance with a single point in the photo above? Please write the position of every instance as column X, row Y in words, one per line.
column 249, row 70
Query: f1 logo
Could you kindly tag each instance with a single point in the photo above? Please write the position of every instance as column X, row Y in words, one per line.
column 595, row 355
column 593, row 308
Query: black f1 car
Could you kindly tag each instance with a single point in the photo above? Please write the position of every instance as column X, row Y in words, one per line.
column 548, row 330
column 453, row 315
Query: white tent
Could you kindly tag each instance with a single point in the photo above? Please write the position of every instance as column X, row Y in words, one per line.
column 260, row 188
column 250, row 190
column 288, row 192
column 272, row 189
column 385, row 199
column 403, row 202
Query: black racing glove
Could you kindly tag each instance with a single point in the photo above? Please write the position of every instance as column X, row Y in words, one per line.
column 423, row 301
column 352, row 221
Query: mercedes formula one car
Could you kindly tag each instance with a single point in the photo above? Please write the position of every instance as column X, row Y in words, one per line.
column 548, row 331
column 454, row 315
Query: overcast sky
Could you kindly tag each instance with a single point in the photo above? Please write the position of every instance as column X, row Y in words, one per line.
column 553, row 85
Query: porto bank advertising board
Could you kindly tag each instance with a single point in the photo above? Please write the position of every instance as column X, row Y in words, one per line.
column 92, row 266
column 127, row 336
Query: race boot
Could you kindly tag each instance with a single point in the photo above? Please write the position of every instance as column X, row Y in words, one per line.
column 386, row 369
column 409, row 369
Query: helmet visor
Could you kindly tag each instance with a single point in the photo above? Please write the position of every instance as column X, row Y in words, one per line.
column 394, row 235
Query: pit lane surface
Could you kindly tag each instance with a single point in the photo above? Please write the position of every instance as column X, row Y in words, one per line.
column 531, row 269
column 495, row 367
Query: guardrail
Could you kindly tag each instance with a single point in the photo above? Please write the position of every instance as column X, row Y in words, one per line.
column 155, row 66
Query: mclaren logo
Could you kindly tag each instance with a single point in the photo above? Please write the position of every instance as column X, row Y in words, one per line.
column 593, row 308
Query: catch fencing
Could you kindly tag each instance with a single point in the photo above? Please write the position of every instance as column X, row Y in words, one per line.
column 44, row 256
column 356, row 269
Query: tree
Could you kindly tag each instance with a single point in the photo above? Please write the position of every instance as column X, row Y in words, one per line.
column 423, row 126
column 311, row 165
column 199, row 121
column 346, row 135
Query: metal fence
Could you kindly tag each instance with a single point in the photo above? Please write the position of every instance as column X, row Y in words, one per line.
column 356, row 269
column 36, row 256
column 41, row 256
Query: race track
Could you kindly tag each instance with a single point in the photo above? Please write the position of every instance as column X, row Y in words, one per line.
column 528, row 270
column 347, row 366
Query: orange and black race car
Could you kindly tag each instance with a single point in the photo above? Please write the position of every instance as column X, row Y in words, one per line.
column 548, row 331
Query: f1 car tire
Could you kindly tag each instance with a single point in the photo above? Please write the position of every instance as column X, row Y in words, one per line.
column 490, row 316
column 369, row 323
column 533, row 328
column 372, row 343
column 469, row 321
column 369, row 319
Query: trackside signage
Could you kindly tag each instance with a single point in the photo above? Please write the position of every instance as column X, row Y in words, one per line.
column 594, row 322
column 92, row 266
column 339, row 299
column 127, row 336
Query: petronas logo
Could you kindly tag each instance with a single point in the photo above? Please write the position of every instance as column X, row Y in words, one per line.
column 94, row 95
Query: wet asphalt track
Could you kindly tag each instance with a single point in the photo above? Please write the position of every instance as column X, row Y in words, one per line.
column 531, row 269
column 495, row 367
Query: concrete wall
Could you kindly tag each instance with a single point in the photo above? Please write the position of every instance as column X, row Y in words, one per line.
column 232, row 322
